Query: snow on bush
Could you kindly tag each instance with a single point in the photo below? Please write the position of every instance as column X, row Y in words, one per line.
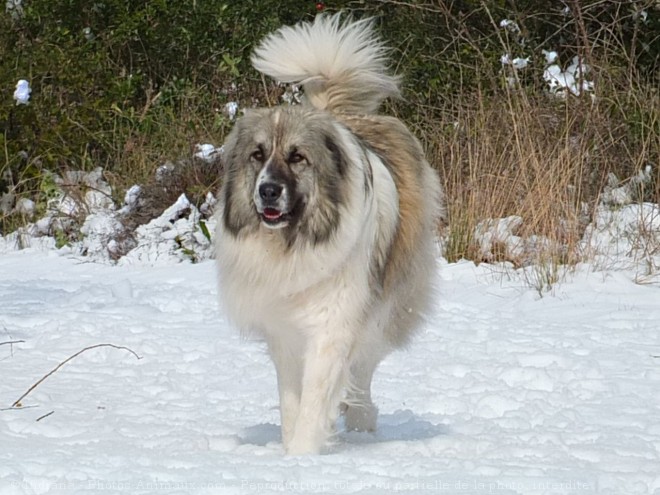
column 82, row 218
column 623, row 234
column 22, row 92
column 208, row 152
column 81, row 215
column 178, row 234
column 292, row 94
column 571, row 80
column 625, row 238
column 618, row 193
column 498, row 240
column 559, row 82
column 231, row 109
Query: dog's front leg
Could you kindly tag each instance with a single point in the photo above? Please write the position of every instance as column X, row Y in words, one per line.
column 287, row 356
column 325, row 374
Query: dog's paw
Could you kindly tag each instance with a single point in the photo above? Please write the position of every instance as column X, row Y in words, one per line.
column 302, row 446
column 307, row 441
column 361, row 417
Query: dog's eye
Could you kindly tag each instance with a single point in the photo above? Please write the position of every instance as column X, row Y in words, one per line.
column 296, row 157
column 258, row 155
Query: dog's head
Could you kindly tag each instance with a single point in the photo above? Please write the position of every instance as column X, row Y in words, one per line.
column 284, row 170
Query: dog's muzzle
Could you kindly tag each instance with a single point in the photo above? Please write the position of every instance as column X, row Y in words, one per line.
column 272, row 204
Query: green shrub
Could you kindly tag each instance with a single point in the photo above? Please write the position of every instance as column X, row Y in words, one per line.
column 129, row 85
column 110, row 78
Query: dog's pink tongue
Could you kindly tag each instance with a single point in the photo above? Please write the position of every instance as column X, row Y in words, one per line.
column 272, row 213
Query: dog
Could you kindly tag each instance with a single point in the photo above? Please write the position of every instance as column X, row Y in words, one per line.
column 327, row 215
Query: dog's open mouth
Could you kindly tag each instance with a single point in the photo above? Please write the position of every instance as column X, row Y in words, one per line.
column 274, row 217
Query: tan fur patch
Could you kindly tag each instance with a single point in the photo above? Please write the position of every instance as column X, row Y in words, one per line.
column 404, row 158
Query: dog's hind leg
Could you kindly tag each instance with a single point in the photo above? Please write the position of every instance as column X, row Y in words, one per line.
column 360, row 414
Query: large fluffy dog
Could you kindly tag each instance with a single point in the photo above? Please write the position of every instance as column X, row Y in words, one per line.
column 326, row 225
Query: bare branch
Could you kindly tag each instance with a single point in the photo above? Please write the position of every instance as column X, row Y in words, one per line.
column 11, row 342
column 45, row 416
column 17, row 403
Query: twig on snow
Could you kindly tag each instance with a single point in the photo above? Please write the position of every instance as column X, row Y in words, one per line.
column 17, row 403
column 45, row 416
column 11, row 342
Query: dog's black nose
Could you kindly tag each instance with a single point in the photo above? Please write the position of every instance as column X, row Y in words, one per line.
column 270, row 191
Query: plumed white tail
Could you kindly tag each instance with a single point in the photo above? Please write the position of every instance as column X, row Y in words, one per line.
column 341, row 64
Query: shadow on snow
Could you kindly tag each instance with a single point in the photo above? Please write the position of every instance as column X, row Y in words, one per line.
column 399, row 426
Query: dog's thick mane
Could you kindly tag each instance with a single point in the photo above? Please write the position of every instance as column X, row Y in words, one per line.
column 340, row 62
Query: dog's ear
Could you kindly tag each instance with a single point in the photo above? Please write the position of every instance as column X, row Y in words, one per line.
column 240, row 142
column 254, row 113
column 249, row 112
column 229, row 147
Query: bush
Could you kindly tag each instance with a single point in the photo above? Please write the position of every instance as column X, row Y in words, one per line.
column 131, row 85
column 125, row 85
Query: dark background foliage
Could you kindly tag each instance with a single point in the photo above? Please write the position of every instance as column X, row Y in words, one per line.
column 128, row 85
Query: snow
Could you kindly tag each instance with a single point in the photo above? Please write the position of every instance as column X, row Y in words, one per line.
column 619, row 193
column 503, row 391
column 131, row 199
column 208, row 152
column 517, row 63
column 292, row 95
column 560, row 82
column 164, row 170
column 88, row 34
column 14, row 8
column 550, row 56
column 179, row 233
column 26, row 206
column 231, row 109
column 641, row 15
column 571, row 80
column 520, row 63
column 22, row 92
column 176, row 235
column 510, row 25
column 626, row 238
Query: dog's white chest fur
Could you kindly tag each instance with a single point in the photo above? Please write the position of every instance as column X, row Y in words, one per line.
column 270, row 288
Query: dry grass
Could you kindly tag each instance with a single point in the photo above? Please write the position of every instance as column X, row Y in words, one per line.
column 503, row 160
column 541, row 159
column 157, row 135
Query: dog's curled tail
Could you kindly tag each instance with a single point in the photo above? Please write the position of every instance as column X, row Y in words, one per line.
column 342, row 64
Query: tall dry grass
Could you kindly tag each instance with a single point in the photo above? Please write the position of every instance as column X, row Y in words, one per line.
column 521, row 152
column 543, row 159
column 514, row 156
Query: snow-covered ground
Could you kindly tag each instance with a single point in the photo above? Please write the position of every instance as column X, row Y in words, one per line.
column 502, row 392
